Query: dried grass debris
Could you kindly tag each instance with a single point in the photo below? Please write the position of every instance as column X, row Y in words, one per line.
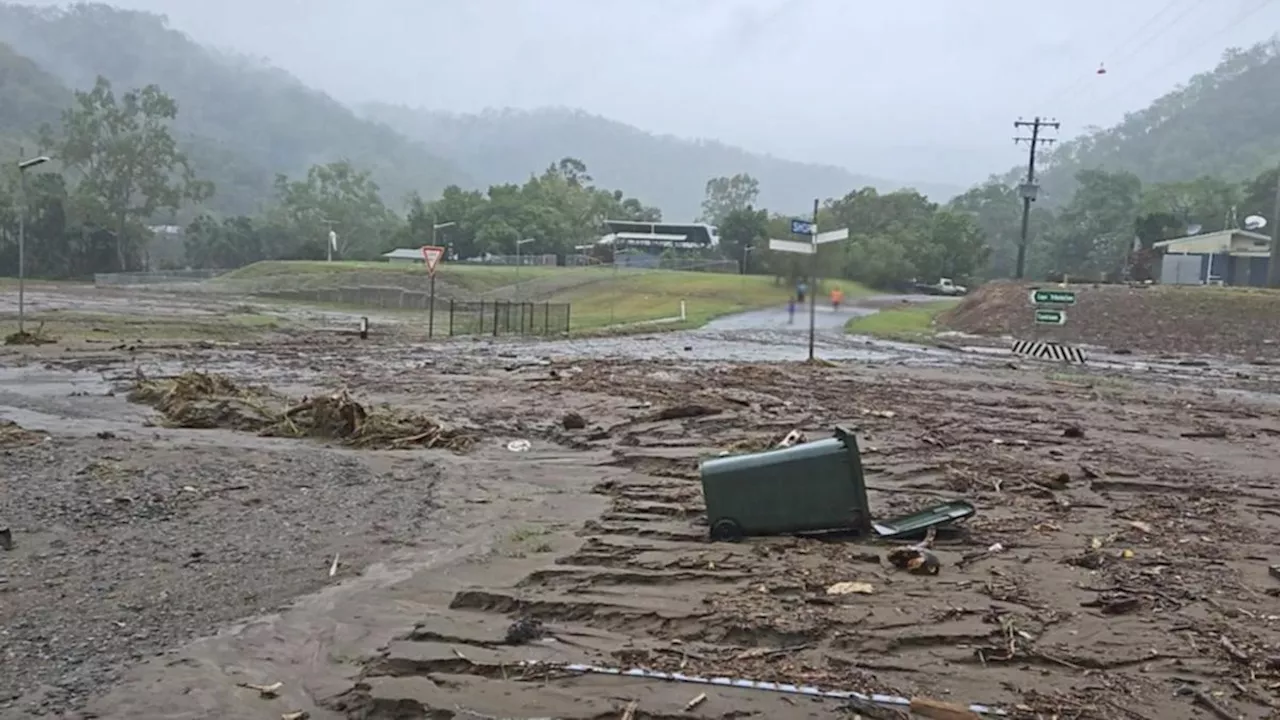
column 206, row 401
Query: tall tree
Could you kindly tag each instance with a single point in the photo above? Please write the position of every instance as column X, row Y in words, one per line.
column 727, row 194
column 127, row 164
column 336, row 197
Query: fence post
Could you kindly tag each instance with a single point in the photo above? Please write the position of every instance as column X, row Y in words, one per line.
column 567, row 310
column 481, row 317
column 546, row 318
column 495, row 318
column 450, row 317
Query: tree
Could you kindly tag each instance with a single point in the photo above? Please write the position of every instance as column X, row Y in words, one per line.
column 741, row 229
column 1094, row 233
column 127, row 162
column 339, row 198
column 727, row 194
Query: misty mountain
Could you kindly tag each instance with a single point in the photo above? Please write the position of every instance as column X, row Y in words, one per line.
column 505, row 146
column 239, row 120
column 1223, row 123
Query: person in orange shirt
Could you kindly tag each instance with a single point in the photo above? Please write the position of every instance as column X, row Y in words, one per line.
column 837, row 295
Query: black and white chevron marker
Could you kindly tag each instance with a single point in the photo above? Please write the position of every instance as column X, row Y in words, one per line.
column 1048, row 351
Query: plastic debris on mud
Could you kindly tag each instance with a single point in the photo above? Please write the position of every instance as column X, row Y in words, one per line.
column 206, row 401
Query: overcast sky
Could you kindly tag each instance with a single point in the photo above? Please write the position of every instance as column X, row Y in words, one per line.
column 923, row 90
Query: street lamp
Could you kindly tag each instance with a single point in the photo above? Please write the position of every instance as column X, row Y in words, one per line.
column 23, row 167
column 439, row 226
column 518, row 244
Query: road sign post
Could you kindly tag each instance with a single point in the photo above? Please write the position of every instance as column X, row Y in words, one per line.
column 1051, row 317
column 809, row 228
column 431, row 255
column 1052, row 297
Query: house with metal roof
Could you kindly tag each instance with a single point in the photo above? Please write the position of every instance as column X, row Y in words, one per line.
column 404, row 255
column 1228, row 257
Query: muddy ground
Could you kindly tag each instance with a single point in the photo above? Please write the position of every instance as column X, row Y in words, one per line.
column 1118, row 566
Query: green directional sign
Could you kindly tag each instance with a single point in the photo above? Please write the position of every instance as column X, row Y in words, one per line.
column 1051, row 317
column 1053, row 297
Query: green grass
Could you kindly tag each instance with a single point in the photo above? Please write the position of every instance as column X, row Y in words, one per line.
column 600, row 297
column 914, row 321
column 471, row 279
column 637, row 296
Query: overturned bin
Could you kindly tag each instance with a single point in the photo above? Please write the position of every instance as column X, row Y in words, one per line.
column 804, row 488
column 810, row 487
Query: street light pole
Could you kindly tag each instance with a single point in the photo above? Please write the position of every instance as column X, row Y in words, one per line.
column 435, row 226
column 23, row 166
column 518, row 244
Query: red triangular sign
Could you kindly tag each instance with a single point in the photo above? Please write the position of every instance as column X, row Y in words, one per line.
column 432, row 255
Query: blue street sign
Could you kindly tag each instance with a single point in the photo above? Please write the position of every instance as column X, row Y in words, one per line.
column 801, row 227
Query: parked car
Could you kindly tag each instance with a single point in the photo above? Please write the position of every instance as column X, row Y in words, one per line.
column 944, row 286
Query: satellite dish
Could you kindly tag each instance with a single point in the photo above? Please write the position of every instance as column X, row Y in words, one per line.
column 1194, row 229
column 1255, row 222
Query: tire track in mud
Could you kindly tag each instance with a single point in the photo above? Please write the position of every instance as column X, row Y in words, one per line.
column 1024, row 601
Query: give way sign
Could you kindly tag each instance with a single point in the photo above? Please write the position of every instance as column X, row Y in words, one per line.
column 432, row 254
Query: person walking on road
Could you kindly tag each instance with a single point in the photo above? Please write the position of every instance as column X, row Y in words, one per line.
column 837, row 296
column 801, row 290
column 791, row 311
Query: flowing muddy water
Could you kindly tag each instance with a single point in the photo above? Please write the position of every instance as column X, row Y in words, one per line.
column 1119, row 559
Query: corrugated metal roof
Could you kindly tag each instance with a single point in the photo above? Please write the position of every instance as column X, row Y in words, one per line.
column 404, row 254
column 1222, row 237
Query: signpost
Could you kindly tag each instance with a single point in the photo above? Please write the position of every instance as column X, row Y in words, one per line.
column 1051, row 317
column 432, row 255
column 809, row 228
column 803, row 227
column 1053, row 297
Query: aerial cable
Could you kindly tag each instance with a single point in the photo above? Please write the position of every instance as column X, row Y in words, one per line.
column 1126, row 42
column 1240, row 17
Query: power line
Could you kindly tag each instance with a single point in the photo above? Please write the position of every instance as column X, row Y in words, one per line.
column 1125, row 43
column 1029, row 189
column 1181, row 57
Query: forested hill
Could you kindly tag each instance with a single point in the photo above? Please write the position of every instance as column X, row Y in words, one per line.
column 241, row 122
column 1224, row 123
column 503, row 146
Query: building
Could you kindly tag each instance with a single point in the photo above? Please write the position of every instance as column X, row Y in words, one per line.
column 1229, row 257
column 404, row 256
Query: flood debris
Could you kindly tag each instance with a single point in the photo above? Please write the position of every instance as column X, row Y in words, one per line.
column 6, row 538
column 630, row 712
column 939, row 710
column 24, row 337
column 298, row 715
column 850, row 588
column 701, row 698
column 266, row 692
column 917, row 559
column 1201, row 698
column 14, row 435
column 573, row 421
column 207, row 401
column 524, row 630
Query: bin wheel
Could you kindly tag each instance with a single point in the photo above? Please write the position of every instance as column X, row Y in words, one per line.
column 726, row 530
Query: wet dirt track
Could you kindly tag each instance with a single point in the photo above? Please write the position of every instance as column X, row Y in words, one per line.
column 1130, row 562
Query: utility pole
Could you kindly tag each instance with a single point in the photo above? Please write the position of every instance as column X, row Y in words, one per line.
column 1029, row 189
column 1273, row 260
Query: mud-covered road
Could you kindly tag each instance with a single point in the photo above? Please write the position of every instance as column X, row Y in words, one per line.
column 1119, row 565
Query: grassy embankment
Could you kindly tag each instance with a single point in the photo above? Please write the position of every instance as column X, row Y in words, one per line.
column 911, row 322
column 600, row 298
